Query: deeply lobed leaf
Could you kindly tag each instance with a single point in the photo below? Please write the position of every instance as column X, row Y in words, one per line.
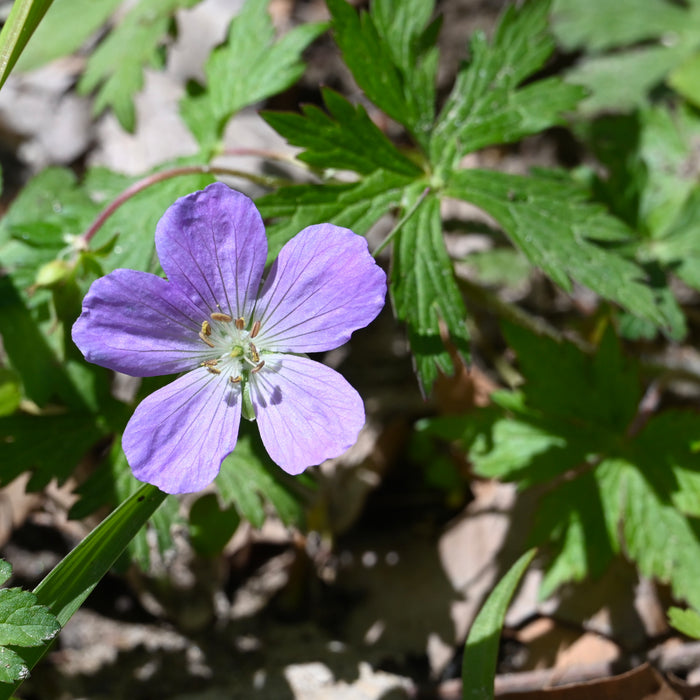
column 488, row 104
column 345, row 138
column 248, row 67
column 393, row 58
column 116, row 67
column 550, row 221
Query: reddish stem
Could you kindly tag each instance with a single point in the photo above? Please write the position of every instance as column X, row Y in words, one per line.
column 146, row 182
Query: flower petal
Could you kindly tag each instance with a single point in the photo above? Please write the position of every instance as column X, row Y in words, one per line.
column 139, row 324
column 306, row 412
column 179, row 435
column 323, row 286
column 212, row 245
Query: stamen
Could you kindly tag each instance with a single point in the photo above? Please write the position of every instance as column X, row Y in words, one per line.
column 235, row 380
column 240, row 323
column 205, row 339
column 255, row 329
column 257, row 368
column 254, row 353
column 206, row 328
column 213, row 370
column 209, row 363
column 219, row 316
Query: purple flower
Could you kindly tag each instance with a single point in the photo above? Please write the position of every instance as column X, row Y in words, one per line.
column 238, row 343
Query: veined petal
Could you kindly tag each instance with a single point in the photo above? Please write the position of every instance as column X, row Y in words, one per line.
column 179, row 435
column 139, row 324
column 323, row 286
column 212, row 245
column 306, row 412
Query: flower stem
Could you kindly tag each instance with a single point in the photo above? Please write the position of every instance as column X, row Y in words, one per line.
column 403, row 220
column 147, row 182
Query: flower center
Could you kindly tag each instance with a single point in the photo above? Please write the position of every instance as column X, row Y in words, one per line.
column 233, row 350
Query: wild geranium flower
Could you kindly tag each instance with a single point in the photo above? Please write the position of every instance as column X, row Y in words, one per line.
column 238, row 341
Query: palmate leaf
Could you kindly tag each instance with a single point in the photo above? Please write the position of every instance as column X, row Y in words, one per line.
column 23, row 623
column 425, row 293
column 488, row 105
column 248, row 67
column 550, row 220
column 116, row 67
column 613, row 488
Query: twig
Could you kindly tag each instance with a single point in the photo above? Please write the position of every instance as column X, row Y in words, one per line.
column 675, row 659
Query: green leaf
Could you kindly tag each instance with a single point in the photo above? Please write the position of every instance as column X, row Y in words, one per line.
column 5, row 571
column 685, row 80
column 679, row 249
column 574, row 426
column 552, row 223
column 393, row 58
column 12, row 668
column 67, row 586
column 622, row 81
column 211, row 527
column 636, row 495
column 357, row 206
column 573, row 520
column 499, row 266
column 247, row 68
column 113, row 483
column 23, row 19
column 631, row 47
column 38, row 350
column 685, row 621
column 246, row 480
column 10, row 392
column 345, row 138
column 481, row 649
column 425, row 293
column 666, row 149
column 116, row 67
column 488, row 104
column 405, row 29
column 59, row 34
column 598, row 25
column 49, row 446
column 43, row 220
column 23, row 623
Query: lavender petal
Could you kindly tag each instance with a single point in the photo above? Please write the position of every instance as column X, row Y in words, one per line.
column 306, row 412
column 139, row 324
column 323, row 286
column 179, row 435
column 212, row 245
